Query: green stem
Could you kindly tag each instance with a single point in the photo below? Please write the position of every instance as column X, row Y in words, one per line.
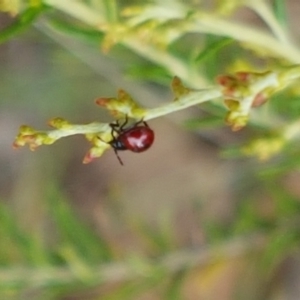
column 94, row 127
column 280, row 11
column 191, row 99
column 206, row 23
column 79, row 11
column 292, row 131
column 265, row 12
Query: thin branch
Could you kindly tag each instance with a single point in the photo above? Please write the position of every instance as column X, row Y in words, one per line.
column 265, row 12
column 252, row 36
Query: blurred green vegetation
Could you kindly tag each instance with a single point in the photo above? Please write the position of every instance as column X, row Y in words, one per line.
column 61, row 252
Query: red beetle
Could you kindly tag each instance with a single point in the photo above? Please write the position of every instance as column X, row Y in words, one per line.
column 137, row 138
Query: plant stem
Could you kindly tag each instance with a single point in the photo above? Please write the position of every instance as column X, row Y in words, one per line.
column 265, row 12
column 262, row 41
column 191, row 99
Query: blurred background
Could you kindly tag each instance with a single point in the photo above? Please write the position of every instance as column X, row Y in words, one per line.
column 184, row 220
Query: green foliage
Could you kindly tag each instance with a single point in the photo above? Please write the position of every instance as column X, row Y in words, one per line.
column 280, row 11
column 143, row 71
column 18, row 246
column 203, row 123
column 86, row 34
column 22, row 22
column 281, row 244
column 157, row 241
column 213, row 46
column 77, row 239
column 173, row 292
column 157, row 41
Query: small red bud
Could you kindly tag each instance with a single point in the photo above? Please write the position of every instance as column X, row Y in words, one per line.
column 259, row 100
column 224, row 80
column 102, row 101
column 87, row 158
column 243, row 76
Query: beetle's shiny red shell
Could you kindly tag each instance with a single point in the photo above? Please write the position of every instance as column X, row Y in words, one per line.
column 137, row 139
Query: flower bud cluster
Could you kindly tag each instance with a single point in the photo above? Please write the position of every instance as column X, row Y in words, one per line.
column 243, row 91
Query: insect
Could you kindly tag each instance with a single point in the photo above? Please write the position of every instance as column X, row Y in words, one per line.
column 136, row 138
